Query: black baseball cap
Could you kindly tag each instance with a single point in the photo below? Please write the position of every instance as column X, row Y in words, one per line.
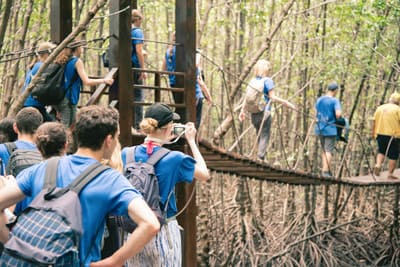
column 333, row 86
column 162, row 113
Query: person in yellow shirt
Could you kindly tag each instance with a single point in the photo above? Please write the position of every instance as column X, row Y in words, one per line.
column 386, row 130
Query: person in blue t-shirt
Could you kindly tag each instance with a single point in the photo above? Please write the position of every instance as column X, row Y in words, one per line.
column 26, row 123
column 137, row 58
column 51, row 141
column 169, row 64
column 75, row 77
column 327, row 109
column 175, row 167
column 201, row 90
column 44, row 50
column 97, row 132
column 261, row 120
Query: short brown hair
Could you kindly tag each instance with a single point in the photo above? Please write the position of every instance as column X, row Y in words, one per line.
column 93, row 124
column 28, row 120
column 51, row 138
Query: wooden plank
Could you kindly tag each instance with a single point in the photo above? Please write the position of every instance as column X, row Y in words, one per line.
column 185, row 26
column 121, row 27
column 94, row 98
column 371, row 180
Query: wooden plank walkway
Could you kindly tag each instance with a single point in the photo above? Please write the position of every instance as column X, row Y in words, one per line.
column 220, row 160
column 374, row 180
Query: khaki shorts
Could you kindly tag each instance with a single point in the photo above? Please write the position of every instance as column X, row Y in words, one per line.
column 328, row 143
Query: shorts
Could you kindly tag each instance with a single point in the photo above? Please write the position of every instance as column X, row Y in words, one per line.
column 328, row 143
column 392, row 152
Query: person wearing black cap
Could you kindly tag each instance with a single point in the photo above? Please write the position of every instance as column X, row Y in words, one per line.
column 74, row 76
column 328, row 109
column 165, row 249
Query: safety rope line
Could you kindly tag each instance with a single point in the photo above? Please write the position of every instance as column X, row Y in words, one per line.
column 29, row 52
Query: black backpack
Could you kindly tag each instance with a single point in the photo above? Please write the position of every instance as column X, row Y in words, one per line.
column 49, row 90
column 142, row 176
column 20, row 159
column 48, row 231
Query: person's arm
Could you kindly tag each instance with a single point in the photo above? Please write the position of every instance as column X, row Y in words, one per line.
column 4, row 232
column 164, row 63
column 200, row 169
column 273, row 97
column 140, row 56
column 204, row 89
column 85, row 78
column 9, row 195
column 338, row 113
column 147, row 227
column 373, row 129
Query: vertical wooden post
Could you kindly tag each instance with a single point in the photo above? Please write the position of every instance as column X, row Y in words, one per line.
column 185, row 24
column 120, row 48
column 60, row 20
column 157, row 83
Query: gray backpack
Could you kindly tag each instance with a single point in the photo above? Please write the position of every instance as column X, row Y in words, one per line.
column 254, row 101
column 20, row 159
column 142, row 176
column 48, row 231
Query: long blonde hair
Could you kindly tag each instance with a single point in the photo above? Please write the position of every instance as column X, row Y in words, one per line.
column 115, row 161
column 262, row 67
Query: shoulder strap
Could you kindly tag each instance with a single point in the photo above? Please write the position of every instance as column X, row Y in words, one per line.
column 11, row 146
column 50, row 176
column 157, row 156
column 86, row 176
column 130, row 155
column 80, row 182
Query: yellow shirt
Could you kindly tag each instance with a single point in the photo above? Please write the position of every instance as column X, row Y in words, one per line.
column 387, row 120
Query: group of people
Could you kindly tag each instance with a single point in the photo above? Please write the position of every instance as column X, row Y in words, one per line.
column 75, row 77
column 96, row 134
column 385, row 128
column 168, row 64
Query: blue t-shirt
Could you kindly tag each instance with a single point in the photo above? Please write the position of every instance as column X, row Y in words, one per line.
column 4, row 156
column 268, row 86
column 174, row 168
column 136, row 33
column 108, row 193
column 71, row 74
column 326, row 108
column 199, row 93
column 30, row 101
column 170, row 59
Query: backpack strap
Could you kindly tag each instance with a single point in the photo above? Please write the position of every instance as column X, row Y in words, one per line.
column 159, row 154
column 79, row 182
column 11, row 146
column 87, row 176
column 130, row 155
column 50, row 176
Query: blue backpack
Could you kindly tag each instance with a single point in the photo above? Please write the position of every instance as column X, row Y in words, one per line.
column 48, row 231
